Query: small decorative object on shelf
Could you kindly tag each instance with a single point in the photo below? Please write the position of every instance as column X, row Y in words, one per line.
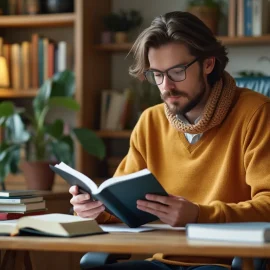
column 32, row 7
column 58, row 6
column 208, row 11
column 120, row 24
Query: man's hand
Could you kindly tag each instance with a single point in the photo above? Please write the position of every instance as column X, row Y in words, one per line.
column 173, row 210
column 83, row 206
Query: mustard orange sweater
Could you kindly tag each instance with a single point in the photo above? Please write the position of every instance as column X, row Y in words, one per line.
column 227, row 172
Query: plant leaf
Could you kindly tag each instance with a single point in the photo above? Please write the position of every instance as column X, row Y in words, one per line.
column 41, row 100
column 90, row 142
column 6, row 110
column 63, row 84
column 56, row 128
column 15, row 130
column 9, row 159
column 66, row 102
column 62, row 151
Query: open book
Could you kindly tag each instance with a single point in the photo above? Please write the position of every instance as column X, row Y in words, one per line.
column 118, row 194
column 50, row 225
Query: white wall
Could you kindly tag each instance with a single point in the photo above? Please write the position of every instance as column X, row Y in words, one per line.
column 244, row 57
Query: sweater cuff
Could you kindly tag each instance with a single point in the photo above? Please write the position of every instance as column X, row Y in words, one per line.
column 208, row 214
column 105, row 217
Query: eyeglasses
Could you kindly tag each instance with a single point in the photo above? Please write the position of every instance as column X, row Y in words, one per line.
column 176, row 73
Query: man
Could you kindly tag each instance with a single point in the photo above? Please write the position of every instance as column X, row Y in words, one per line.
column 208, row 144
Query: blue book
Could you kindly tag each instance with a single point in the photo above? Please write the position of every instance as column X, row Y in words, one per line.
column 248, row 17
column 256, row 232
column 40, row 61
column 118, row 194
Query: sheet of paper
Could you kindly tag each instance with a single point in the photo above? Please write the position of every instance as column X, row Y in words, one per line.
column 119, row 227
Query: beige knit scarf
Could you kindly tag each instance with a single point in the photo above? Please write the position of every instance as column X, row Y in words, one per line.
column 216, row 108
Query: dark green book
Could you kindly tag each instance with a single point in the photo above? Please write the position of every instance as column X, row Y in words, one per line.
column 118, row 194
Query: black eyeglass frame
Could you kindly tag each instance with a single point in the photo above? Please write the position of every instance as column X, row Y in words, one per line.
column 185, row 67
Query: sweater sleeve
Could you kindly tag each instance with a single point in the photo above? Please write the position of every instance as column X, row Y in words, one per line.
column 132, row 162
column 256, row 151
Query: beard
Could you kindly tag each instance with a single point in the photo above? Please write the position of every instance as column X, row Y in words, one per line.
column 176, row 107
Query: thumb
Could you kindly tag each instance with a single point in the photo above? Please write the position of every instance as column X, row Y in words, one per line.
column 74, row 190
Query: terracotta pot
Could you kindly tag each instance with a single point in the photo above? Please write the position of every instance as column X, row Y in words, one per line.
column 38, row 175
column 120, row 37
column 209, row 15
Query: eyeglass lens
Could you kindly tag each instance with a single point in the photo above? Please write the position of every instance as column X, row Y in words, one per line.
column 176, row 74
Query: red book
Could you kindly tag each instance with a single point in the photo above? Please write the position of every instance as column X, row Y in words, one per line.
column 7, row 216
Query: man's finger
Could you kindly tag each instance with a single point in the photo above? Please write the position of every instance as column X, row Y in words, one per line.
column 153, row 205
column 81, row 198
column 153, row 211
column 88, row 207
column 73, row 190
column 161, row 199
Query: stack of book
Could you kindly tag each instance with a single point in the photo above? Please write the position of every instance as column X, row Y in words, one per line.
column 18, row 203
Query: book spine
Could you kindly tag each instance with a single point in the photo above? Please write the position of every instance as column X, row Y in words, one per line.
column 248, row 17
column 240, row 18
column 232, row 18
column 40, row 61
column 34, row 62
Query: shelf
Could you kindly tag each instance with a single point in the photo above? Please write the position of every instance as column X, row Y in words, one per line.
column 245, row 41
column 11, row 93
column 115, row 134
column 46, row 20
column 230, row 41
column 114, row 47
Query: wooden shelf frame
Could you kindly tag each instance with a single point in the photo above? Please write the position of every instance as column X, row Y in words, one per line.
column 21, row 93
column 44, row 20
column 228, row 41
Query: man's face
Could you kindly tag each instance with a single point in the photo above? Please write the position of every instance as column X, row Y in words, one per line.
column 181, row 97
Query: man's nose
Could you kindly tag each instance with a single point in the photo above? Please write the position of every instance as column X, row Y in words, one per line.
column 168, row 84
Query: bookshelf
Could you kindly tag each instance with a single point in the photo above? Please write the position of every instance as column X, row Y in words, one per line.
column 47, row 20
column 83, row 28
column 11, row 93
column 229, row 41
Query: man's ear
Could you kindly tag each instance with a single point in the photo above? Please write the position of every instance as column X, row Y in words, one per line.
column 209, row 64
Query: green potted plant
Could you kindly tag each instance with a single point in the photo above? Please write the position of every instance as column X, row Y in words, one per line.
column 121, row 23
column 44, row 143
column 209, row 11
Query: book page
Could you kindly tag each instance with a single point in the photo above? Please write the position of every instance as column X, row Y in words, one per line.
column 117, row 179
column 58, row 218
column 119, row 227
column 79, row 175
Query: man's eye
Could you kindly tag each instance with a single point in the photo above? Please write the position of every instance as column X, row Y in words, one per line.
column 157, row 74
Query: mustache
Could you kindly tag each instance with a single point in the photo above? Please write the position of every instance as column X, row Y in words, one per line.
column 173, row 93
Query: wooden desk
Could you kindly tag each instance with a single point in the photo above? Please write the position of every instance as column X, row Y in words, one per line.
column 168, row 242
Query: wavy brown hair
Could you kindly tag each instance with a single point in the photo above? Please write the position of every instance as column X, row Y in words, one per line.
column 179, row 27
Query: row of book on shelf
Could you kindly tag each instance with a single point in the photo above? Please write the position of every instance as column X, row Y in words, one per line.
column 248, row 17
column 115, row 109
column 30, row 63
column 18, row 203
column 19, row 7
